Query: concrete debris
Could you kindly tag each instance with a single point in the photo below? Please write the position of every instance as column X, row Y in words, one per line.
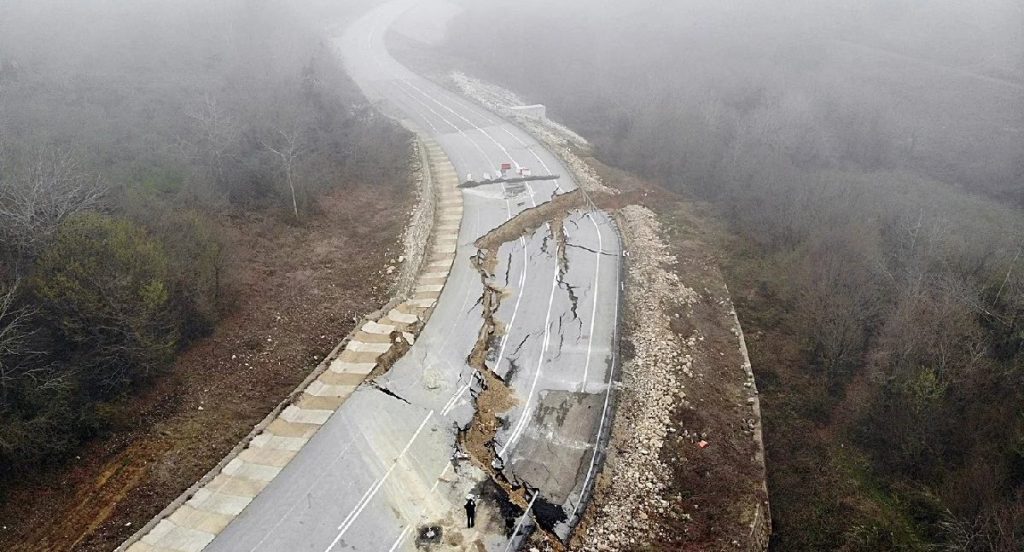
column 432, row 378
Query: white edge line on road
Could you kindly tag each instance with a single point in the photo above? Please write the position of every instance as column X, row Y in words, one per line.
column 521, row 423
column 519, row 525
column 597, row 269
column 593, row 312
column 401, row 537
column 488, row 159
column 604, row 411
column 522, row 283
column 468, row 122
column 291, row 509
column 351, row 518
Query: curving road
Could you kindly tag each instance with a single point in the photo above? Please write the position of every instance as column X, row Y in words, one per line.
column 385, row 473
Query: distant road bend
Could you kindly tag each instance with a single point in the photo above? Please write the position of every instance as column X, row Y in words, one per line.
column 386, row 471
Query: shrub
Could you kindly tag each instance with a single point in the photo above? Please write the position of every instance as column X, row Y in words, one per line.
column 103, row 285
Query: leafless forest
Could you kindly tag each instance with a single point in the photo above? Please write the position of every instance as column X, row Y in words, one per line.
column 868, row 159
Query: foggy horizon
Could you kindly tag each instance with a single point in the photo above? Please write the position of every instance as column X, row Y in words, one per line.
column 496, row 275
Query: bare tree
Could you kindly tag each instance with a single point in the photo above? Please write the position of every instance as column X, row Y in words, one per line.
column 288, row 149
column 838, row 299
column 1009, row 272
column 53, row 187
column 992, row 530
column 13, row 334
column 217, row 131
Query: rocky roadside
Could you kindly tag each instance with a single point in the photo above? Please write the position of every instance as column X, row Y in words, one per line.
column 685, row 462
column 632, row 484
column 421, row 224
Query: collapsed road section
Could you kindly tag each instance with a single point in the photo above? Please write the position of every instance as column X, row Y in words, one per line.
column 543, row 395
column 685, row 465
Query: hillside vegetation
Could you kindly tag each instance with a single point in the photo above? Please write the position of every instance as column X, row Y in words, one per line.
column 869, row 162
column 129, row 131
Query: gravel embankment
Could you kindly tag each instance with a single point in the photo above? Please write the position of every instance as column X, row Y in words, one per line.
column 630, row 489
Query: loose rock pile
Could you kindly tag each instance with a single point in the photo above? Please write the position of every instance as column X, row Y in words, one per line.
column 651, row 386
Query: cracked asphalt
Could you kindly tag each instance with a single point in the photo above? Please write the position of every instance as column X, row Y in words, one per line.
column 387, row 465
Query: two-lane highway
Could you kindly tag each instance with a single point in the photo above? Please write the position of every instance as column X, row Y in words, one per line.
column 385, row 472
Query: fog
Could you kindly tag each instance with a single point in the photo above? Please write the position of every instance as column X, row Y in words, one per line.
column 937, row 80
column 136, row 137
column 866, row 159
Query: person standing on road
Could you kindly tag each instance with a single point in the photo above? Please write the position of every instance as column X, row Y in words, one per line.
column 470, row 511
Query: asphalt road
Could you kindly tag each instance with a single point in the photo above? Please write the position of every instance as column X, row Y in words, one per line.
column 382, row 473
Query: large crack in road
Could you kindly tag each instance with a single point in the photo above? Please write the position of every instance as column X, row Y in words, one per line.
column 495, row 397
column 390, row 467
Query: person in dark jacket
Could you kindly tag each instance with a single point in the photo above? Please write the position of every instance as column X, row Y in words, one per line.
column 470, row 511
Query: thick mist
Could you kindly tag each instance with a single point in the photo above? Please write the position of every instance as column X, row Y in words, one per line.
column 862, row 161
column 146, row 147
column 937, row 85
column 868, row 159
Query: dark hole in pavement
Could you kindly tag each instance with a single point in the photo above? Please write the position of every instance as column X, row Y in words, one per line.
column 548, row 515
column 504, row 422
column 428, row 534
column 510, row 513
